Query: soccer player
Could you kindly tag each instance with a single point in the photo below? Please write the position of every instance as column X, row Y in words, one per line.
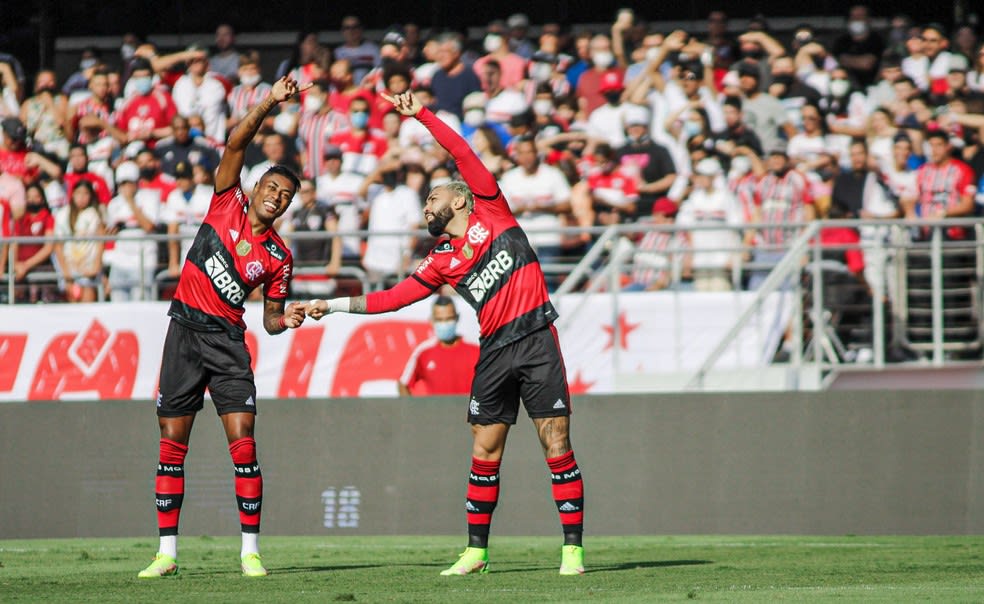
column 489, row 261
column 235, row 251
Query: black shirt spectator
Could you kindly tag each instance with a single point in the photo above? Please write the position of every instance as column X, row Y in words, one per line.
column 860, row 49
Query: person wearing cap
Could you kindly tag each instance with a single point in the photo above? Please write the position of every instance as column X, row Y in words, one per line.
column 393, row 58
column 131, row 216
column 184, row 212
column 783, row 196
column 512, row 66
column 519, row 24
column 712, row 252
column 198, row 92
column 589, row 84
column 363, row 54
column 607, row 121
column 16, row 159
column 764, row 114
column 647, row 161
column 339, row 191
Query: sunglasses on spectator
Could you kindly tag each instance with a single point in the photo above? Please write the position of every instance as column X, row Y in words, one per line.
column 689, row 75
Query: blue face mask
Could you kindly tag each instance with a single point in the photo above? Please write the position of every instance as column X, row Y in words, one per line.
column 195, row 132
column 691, row 128
column 446, row 331
column 359, row 119
column 142, row 85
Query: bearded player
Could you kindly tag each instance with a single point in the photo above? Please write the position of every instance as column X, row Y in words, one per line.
column 235, row 251
column 489, row 261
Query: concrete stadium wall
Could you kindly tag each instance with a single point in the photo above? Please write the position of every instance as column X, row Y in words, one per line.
column 819, row 463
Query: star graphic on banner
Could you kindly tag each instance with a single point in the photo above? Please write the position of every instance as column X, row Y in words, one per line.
column 625, row 329
column 578, row 385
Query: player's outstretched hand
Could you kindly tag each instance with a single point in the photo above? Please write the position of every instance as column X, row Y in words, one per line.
column 406, row 103
column 286, row 87
column 295, row 314
column 317, row 309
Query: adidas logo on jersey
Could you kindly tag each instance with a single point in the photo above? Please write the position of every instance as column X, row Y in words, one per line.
column 568, row 507
column 559, row 404
column 234, row 234
column 454, row 262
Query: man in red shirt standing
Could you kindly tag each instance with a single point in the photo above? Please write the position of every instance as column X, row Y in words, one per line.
column 945, row 185
column 487, row 258
column 444, row 364
column 361, row 147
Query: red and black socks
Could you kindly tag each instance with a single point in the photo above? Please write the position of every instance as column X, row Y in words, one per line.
column 482, row 497
column 249, row 483
column 568, row 494
column 169, row 486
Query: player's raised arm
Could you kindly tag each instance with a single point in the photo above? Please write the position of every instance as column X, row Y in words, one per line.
column 234, row 156
column 473, row 171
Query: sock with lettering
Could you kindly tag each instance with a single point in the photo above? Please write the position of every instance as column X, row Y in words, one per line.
column 169, row 493
column 568, row 494
column 480, row 502
column 249, row 483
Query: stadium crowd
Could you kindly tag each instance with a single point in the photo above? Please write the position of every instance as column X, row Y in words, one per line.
column 743, row 130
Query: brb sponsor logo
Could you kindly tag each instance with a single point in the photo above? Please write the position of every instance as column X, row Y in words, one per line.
column 477, row 234
column 218, row 272
column 480, row 283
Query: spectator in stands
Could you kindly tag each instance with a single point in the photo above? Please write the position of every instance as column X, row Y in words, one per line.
column 225, row 59
column 275, row 151
column 544, row 70
column 36, row 221
column 712, row 252
column 10, row 92
column 147, row 114
column 811, row 149
column 612, row 190
column 791, row 91
column 182, row 148
column 944, row 186
column 45, row 114
column 764, row 114
column 589, row 93
column 783, row 197
column 538, row 195
column 78, row 170
column 345, row 88
column 582, row 59
column 361, row 148
column 502, row 102
column 414, row 134
column 453, row 80
column 80, row 260
column 489, row 148
column 860, row 48
column 318, row 123
column 151, row 178
column 339, row 191
column 724, row 47
column 184, row 211
column 250, row 90
column 607, row 121
column 393, row 206
column 654, row 253
column 313, row 216
column 975, row 77
column 92, row 118
column 930, row 64
column 512, row 67
column 89, row 62
column 17, row 160
column 444, row 364
column 736, row 133
column 198, row 92
column 302, row 63
column 361, row 53
column 132, row 264
column 519, row 24
column 649, row 163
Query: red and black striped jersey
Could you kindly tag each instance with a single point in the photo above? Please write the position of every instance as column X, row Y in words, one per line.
column 225, row 263
column 492, row 266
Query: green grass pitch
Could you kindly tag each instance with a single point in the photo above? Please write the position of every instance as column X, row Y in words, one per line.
column 523, row 569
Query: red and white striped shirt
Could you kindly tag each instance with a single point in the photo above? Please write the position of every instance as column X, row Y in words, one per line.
column 315, row 129
column 782, row 199
column 242, row 98
column 91, row 106
column 940, row 186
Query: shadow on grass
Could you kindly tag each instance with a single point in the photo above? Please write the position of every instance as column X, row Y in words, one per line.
column 611, row 567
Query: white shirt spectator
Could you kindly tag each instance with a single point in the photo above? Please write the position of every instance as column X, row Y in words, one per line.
column 921, row 70
column 341, row 193
column 415, row 134
column 396, row 210
column 207, row 100
column 544, row 190
column 716, row 206
column 188, row 214
column 504, row 105
column 676, row 99
column 606, row 122
column 126, row 254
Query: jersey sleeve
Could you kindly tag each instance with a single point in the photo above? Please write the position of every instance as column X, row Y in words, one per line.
column 278, row 287
column 476, row 175
column 232, row 197
column 404, row 293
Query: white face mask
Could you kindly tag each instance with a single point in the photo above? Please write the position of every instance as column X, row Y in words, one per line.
column 492, row 43
column 313, row 103
column 474, row 117
column 282, row 123
column 602, row 59
column 839, row 88
column 127, row 51
column 250, row 80
column 651, row 53
column 857, row 28
column 440, row 181
column 740, row 166
column 543, row 106
column 541, row 71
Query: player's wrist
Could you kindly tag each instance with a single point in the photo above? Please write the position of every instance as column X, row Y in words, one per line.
column 282, row 322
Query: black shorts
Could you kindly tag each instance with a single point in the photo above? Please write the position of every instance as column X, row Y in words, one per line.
column 194, row 360
column 531, row 369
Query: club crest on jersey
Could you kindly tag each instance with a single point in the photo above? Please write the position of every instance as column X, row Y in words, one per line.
column 444, row 248
column 477, row 234
column 467, row 251
column 243, row 247
column 254, row 270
